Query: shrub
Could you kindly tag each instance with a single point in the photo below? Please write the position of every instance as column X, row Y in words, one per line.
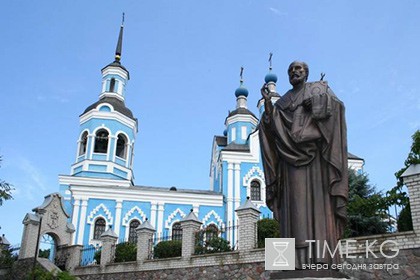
column 41, row 274
column 217, row 245
column 267, row 228
column 97, row 256
column 405, row 223
column 214, row 245
column 125, row 252
column 168, row 249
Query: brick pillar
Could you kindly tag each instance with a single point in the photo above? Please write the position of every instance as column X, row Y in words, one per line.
column 411, row 179
column 145, row 233
column 190, row 225
column 108, row 238
column 248, row 215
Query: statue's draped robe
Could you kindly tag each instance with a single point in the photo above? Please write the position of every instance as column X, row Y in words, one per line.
column 305, row 164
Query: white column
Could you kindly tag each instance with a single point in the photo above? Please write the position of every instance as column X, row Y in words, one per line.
column 237, row 199
column 128, row 155
column 160, row 209
column 229, row 199
column 153, row 209
column 82, row 222
column 75, row 217
column 196, row 208
column 89, row 151
column 112, row 146
column 117, row 222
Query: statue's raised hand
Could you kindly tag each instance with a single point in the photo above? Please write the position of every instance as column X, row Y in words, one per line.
column 265, row 93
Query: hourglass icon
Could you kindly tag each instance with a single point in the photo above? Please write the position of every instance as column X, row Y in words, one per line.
column 280, row 247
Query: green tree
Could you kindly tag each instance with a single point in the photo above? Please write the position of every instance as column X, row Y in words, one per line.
column 367, row 208
column 397, row 196
column 267, row 228
column 5, row 189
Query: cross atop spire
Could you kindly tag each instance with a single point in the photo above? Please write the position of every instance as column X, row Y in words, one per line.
column 241, row 75
column 270, row 61
column 118, row 50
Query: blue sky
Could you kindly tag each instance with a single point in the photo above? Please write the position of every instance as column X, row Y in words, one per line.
column 184, row 59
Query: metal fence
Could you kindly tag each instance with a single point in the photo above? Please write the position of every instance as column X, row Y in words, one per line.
column 88, row 255
column 215, row 240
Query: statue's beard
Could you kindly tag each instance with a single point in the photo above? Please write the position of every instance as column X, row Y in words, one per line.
column 296, row 79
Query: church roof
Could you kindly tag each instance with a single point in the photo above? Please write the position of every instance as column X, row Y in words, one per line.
column 117, row 64
column 241, row 111
column 352, row 156
column 236, row 147
column 221, row 140
column 118, row 105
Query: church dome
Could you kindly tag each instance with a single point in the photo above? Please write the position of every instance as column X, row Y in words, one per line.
column 270, row 77
column 241, row 91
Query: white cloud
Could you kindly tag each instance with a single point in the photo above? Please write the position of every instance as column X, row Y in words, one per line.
column 277, row 12
column 33, row 182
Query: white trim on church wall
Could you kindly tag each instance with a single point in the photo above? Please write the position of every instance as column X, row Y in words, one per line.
column 133, row 194
column 261, row 202
column 170, row 220
column 220, row 224
column 241, row 118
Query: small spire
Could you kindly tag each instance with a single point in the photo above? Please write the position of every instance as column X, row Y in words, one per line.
column 118, row 50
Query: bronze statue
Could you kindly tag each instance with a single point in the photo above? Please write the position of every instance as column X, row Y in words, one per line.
column 303, row 140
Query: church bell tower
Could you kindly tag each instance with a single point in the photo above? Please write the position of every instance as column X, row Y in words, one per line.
column 108, row 128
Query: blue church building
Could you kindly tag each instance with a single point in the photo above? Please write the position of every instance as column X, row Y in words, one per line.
column 100, row 191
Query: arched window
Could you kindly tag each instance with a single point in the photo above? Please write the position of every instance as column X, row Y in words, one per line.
column 99, row 228
column 112, row 85
column 83, row 143
column 255, row 190
column 132, row 235
column 121, row 150
column 211, row 232
column 101, row 141
column 176, row 231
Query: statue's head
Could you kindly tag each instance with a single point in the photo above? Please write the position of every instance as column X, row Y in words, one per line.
column 298, row 72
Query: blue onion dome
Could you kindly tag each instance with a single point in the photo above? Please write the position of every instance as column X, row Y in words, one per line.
column 270, row 77
column 241, row 91
column 225, row 132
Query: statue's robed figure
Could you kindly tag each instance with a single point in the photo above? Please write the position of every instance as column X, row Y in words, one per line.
column 304, row 151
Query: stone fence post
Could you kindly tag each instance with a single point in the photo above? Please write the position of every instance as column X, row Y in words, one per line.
column 145, row 233
column 29, row 238
column 189, row 225
column 248, row 215
column 411, row 179
column 73, row 255
column 108, row 238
